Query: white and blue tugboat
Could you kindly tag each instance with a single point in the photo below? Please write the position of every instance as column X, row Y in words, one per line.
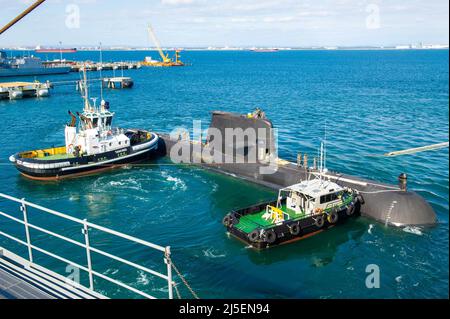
column 93, row 145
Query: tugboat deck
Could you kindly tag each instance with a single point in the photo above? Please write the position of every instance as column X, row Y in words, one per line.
column 56, row 157
column 249, row 223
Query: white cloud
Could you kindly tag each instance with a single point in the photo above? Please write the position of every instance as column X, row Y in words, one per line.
column 176, row 2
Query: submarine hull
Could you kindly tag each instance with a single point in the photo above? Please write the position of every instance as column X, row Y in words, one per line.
column 385, row 203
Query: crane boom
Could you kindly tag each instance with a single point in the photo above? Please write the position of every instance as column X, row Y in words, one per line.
column 158, row 45
column 21, row 16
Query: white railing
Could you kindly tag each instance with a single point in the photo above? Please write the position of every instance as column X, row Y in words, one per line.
column 86, row 226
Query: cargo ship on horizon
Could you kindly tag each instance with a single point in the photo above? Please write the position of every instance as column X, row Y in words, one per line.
column 55, row 50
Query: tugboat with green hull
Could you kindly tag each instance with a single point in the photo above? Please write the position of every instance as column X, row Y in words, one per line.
column 301, row 210
column 92, row 146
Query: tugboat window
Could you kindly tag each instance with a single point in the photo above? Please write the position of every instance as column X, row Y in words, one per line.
column 328, row 198
column 108, row 121
column 95, row 121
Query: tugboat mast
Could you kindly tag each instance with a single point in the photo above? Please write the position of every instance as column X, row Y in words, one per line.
column 87, row 106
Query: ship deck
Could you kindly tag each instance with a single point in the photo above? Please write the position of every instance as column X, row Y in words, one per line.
column 249, row 223
column 56, row 157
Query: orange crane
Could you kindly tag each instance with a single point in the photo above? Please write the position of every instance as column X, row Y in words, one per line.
column 21, row 16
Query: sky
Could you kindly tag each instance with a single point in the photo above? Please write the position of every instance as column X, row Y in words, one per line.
column 203, row 23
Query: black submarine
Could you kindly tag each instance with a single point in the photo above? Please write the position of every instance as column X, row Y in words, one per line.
column 393, row 205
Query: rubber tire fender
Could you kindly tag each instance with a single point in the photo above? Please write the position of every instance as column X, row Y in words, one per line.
column 226, row 221
column 254, row 235
column 350, row 209
column 234, row 218
column 360, row 199
column 270, row 236
column 333, row 217
column 319, row 221
column 295, row 229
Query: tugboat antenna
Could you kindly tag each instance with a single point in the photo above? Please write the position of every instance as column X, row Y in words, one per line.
column 85, row 88
column 101, row 67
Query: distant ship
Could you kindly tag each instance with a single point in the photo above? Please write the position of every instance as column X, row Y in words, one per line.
column 28, row 66
column 264, row 50
column 53, row 50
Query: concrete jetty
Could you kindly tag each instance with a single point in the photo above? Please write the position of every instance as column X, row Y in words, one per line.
column 19, row 90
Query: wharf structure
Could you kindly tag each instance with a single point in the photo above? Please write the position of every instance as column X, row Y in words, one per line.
column 18, row 90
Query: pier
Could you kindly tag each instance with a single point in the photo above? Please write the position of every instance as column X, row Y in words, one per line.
column 118, row 82
column 18, row 90
column 106, row 66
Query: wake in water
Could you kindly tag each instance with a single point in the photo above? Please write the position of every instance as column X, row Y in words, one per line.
column 210, row 254
column 142, row 278
column 178, row 183
column 413, row 230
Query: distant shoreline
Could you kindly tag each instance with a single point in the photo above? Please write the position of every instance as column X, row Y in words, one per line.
column 258, row 50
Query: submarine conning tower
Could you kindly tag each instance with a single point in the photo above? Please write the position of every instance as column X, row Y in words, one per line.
column 388, row 204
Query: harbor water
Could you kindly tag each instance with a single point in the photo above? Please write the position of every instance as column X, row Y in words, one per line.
column 372, row 102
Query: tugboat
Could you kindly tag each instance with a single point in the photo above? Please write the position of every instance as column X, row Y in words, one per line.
column 301, row 210
column 90, row 147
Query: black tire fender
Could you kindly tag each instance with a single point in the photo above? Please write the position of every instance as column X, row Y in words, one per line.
column 360, row 199
column 234, row 218
column 333, row 217
column 254, row 236
column 350, row 209
column 270, row 236
column 319, row 221
column 226, row 221
column 295, row 229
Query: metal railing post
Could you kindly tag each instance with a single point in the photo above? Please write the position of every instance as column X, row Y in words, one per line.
column 169, row 272
column 88, row 253
column 23, row 208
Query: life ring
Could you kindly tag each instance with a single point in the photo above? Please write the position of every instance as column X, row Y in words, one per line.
column 350, row 209
column 254, row 235
column 226, row 221
column 319, row 221
column 295, row 229
column 333, row 217
column 270, row 236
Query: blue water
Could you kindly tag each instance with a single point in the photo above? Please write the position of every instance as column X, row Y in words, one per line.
column 373, row 102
